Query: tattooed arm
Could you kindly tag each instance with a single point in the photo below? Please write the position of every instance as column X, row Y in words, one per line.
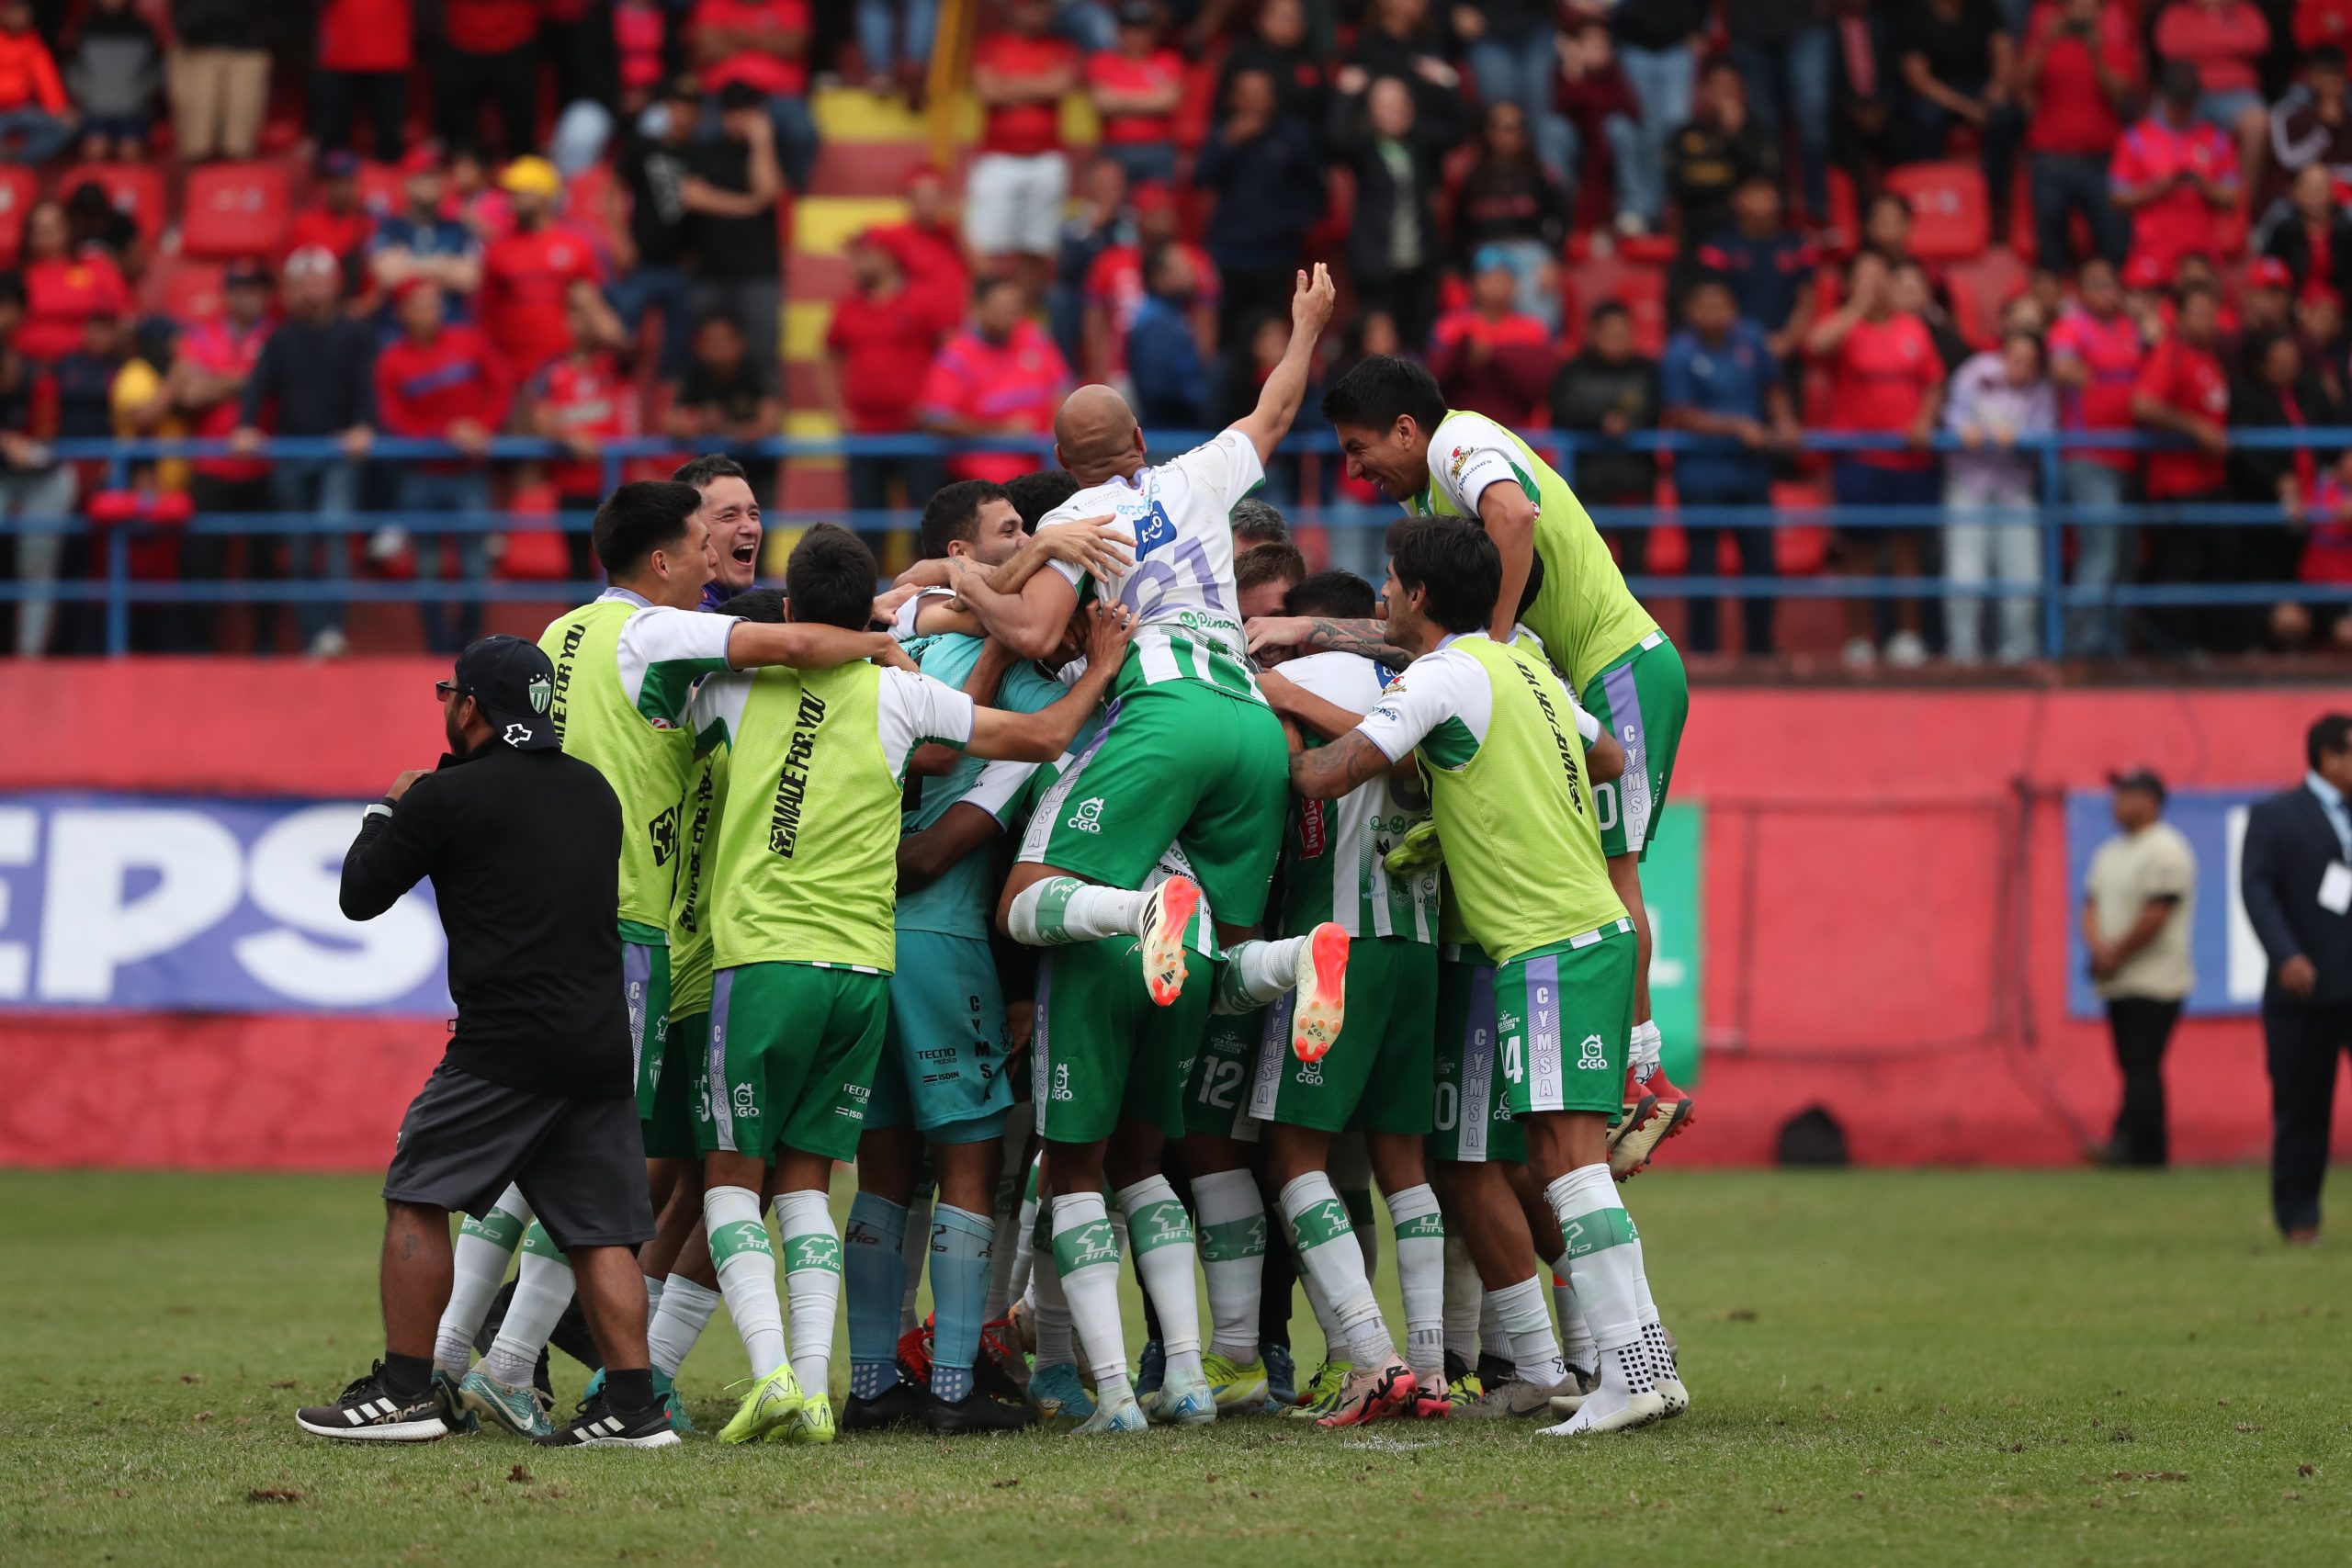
column 1325, row 633
column 1327, row 773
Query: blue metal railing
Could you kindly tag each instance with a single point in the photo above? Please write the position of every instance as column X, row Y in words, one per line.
column 2051, row 516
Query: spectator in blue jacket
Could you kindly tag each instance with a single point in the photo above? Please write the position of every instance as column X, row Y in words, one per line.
column 1164, row 360
column 1268, row 174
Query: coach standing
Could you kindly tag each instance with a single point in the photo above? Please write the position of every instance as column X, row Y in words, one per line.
column 537, row 1087
column 2296, row 883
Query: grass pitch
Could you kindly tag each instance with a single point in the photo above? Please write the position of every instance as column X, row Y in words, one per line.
column 1886, row 1368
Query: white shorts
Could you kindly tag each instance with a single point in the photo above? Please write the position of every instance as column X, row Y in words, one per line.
column 1013, row 206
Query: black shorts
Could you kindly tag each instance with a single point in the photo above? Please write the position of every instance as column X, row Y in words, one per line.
column 580, row 1163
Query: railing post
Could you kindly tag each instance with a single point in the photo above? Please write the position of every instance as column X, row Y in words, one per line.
column 2053, row 553
column 118, row 589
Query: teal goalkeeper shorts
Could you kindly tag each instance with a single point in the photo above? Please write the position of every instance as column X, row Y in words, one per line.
column 943, row 1052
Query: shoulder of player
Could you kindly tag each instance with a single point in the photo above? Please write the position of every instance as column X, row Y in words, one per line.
column 1333, row 675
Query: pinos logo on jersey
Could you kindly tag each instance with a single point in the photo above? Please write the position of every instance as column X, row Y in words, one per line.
column 743, row 1103
column 1591, row 1057
column 1088, row 817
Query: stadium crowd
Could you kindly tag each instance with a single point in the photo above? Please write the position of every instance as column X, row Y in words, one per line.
column 1982, row 219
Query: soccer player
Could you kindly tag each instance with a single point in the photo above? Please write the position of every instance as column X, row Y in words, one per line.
column 942, row 1079
column 1397, row 432
column 732, row 514
column 1490, row 728
column 625, row 667
column 805, row 882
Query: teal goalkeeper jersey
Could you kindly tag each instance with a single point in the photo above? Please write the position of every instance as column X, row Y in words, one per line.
column 962, row 901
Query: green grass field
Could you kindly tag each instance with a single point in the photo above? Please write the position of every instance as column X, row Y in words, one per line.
column 1886, row 1368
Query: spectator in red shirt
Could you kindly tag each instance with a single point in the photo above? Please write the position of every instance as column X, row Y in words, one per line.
column 207, row 384
column 366, row 49
column 439, row 382
column 582, row 399
column 1001, row 376
column 1137, row 88
column 877, row 350
column 64, row 286
column 489, row 59
column 2078, row 73
column 2326, row 557
column 1114, row 285
column 2184, row 391
column 33, row 483
column 1012, row 198
column 2096, row 352
column 1491, row 358
column 930, row 246
column 2172, row 174
column 1886, row 380
column 34, row 113
column 530, row 277
column 2223, row 42
column 335, row 220
column 764, row 44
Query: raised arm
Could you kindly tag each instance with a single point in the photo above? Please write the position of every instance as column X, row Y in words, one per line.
column 393, row 851
column 804, row 645
column 1327, row 773
column 1508, row 517
column 1311, row 311
column 1045, row 735
column 1029, row 622
column 1327, row 634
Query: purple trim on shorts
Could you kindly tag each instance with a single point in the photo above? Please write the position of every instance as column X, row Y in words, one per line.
column 722, row 1118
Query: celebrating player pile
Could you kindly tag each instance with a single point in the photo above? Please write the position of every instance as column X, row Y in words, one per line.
column 1270, row 930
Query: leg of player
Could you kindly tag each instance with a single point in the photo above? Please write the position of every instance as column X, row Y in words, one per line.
column 1418, row 1228
column 812, row 1284
column 914, row 1250
column 1379, row 1383
column 1232, row 1221
column 1166, row 1259
column 1576, row 1332
column 1655, row 1110
column 1046, row 908
column 746, row 1267
column 1464, row 1293
column 872, row 1278
column 1012, row 1176
column 680, row 1217
column 1255, row 972
column 1481, row 1203
column 501, row 1389
column 1056, row 1392
column 478, row 1267
column 628, row 1412
column 1568, row 1151
column 689, row 1297
column 963, row 1243
column 1086, row 1257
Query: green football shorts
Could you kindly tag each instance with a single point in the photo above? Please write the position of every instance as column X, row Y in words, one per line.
column 791, row 1058
column 1376, row 1077
column 670, row 1131
column 1178, row 763
column 1217, row 1097
column 1565, row 1016
column 1102, row 1052
column 1470, row 1113
column 645, row 980
column 1642, row 700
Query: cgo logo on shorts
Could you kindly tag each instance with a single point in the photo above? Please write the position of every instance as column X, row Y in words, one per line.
column 742, row 1102
column 1591, row 1057
column 1088, row 817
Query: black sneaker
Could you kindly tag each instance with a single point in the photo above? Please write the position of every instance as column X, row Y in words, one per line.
column 599, row 1425
column 976, row 1412
column 367, row 1413
column 897, row 1405
column 1495, row 1371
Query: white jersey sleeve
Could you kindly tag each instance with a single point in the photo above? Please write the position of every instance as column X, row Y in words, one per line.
column 1467, row 453
column 998, row 785
column 1443, row 699
column 911, row 709
column 1222, row 470
column 662, row 652
column 902, row 625
column 717, row 712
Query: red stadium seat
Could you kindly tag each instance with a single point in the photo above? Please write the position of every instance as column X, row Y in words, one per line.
column 1949, row 215
column 383, row 190
column 1981, row 288
column 186, row 290
column 19, row 189
column 236, row 210
column 136, row 190
column 1640, row 288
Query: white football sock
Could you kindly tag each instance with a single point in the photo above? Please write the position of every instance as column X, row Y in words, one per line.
column 1166, row 1256
column 1527, row 1321
column 1335, row 1338
column 652, row 1297
column 1024, row 1237
column 1357, row 1200
column 1232, row 1255
column 542, row 1289
column 914, row 1253
column 1256, row 972
column 1420, row 1279
column 478, row 1265
column 1328, row 1254
column 1004, row 1213
column 1050, row 1307
column 1493, row 1342
column 1062, row 909
column 678, row 1322
column 813, row 1285
column 1462, row 1296
column 1087, row 1252
column 1575, row 1333
column 1642, row 1051
column 746, row 1260
column 1606, row 1271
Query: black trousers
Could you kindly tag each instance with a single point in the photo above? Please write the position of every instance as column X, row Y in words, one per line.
column 336, row 97
column 2300, row 1044
column 2143, row 1028
column 508, row 84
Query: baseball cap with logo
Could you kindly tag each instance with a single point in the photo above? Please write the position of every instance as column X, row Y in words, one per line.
column 513, row 683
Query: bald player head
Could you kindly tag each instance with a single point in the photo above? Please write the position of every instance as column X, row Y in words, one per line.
column 1096, row 437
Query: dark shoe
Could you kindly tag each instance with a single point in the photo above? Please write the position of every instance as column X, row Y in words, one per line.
column 896, row 1406
column 976, row 1412
column 2303, row 1235
column 599, row 1425
column 367, row 1412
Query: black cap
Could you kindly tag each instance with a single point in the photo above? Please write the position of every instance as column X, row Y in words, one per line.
column 513, row 683
column 2138, row 778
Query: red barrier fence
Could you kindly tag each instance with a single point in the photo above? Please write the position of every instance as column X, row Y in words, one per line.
column 1885, row 890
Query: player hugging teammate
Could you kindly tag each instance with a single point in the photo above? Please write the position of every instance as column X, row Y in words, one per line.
column 1260, row 936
